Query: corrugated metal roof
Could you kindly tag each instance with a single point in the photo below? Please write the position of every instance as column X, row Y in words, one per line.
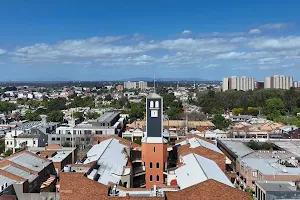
column 111, row 160
column 4, row 179
column 30, row 161
column 197, row 169
column 19, row 172
column 239, row 148
column 269, row 166
column 197, row 142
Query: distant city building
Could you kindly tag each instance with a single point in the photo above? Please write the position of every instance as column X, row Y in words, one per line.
column 259, row 85
column 129, row 85
column 135, row 85
column 278, row 82
column 236, row 83
column 296, row 84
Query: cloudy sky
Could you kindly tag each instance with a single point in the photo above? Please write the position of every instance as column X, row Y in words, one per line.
column 117, row 39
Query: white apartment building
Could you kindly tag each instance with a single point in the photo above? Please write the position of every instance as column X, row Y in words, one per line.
column 142, row 85
column 135, row 85
column 130, row 85
column 278, row 82
column 235, row 83
column 296, row 84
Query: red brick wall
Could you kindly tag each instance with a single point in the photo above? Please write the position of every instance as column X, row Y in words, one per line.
column 159, row 156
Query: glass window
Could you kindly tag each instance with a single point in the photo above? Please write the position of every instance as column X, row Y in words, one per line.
column 156, row 104
column 157, row 165
column 53, row 139
column 254, row 174
column 154, row 149
column 150, row 165
column 151, row 104
column 157, row 178
column 151, row 178
column 58, row 139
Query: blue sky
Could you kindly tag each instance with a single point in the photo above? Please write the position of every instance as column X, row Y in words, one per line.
column 116, row 39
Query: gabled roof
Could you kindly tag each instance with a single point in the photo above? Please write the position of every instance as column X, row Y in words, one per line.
column 197, row 169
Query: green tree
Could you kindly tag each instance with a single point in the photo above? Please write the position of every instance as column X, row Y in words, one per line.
column 7, row 107
column 78, row 115
column 137, row 110
column 237, row 111
column 55, row 116
column 32, row 116
column 7, row 153
column 220, row 122
column 56, row 104
column 273, row 108
column 92, row 115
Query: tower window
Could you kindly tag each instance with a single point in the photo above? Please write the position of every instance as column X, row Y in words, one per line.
column 157, row 178
column 157, row 165
column 156, row 104
column 154, row 149
column 151, row 104
column 150, row 165
column 151, row 178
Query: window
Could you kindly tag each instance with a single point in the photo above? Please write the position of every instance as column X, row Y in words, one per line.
column 33, row 142
column 157, row 165
column 150, row 165
column 68, row 139
column 82, row 139
column 254, row 174
column 7, row 143
column 151, row 178
column 10, row 142
column 156, row 104
column 154, row 149
column 151, row 104
column 58, row 139
column 53, row 139
column 157, row 178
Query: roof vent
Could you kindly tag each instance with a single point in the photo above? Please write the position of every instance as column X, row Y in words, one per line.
column 284, row 170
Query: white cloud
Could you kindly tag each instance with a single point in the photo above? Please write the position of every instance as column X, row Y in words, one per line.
column 255, row 31
column 291, row 42
column 274, row 26
column 186, row 32
column 2, row 51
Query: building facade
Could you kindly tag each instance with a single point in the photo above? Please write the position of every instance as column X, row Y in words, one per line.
column 235, row 83
column 278, row 82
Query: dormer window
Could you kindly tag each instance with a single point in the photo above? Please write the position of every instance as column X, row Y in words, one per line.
column 156, row 104
column 151, row 104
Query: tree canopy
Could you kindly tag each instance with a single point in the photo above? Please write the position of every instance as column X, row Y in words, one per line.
column 7, row 107
column 220, row 122
column 32, row 116
column 55, row 116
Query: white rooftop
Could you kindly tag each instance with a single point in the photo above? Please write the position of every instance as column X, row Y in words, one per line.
column 5, row 180
column 269, row 166
column 20, row 172
column 30, row 162
column 60, row 156
column 197, row 169
column 197, row 142
column 111, row 160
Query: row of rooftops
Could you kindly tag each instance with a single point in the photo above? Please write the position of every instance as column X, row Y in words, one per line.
column 25, row 165
column 108, row 161
column 267, row 162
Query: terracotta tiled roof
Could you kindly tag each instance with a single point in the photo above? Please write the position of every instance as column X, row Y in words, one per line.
column 209, row 190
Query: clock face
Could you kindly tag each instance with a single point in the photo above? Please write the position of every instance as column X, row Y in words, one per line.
column 154, row 113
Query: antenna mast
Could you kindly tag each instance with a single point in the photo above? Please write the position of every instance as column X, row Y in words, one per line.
column 154, row 83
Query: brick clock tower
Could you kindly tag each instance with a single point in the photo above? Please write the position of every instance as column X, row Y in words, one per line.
column 154, row 146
